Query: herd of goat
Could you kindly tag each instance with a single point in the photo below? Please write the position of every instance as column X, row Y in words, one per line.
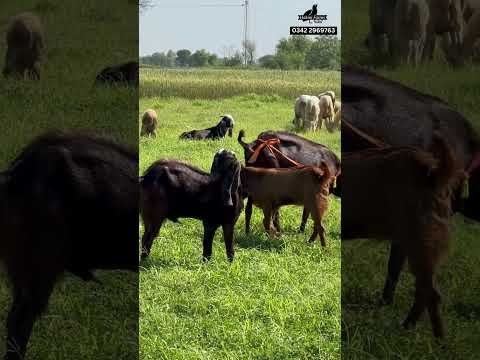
column 70, row 200
column 407, row 30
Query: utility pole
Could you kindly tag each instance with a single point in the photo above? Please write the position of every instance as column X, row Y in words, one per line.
column 245, row 38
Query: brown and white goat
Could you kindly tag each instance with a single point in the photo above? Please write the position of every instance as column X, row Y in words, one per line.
column 403, row 194
column 271, row 188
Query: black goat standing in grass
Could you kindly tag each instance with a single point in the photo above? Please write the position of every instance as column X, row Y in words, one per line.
column 69, row 202
column 216, row 132
column 172, row 189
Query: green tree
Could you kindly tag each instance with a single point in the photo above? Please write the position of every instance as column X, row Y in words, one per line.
column 325, row 53
column 183, row 58
column 199, row 58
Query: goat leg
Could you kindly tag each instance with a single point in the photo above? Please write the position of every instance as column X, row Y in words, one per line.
column 228, row 239
column 267, row 221
column 305, row 215
column 422, row 292
column 395, row 264
column 208, row 234
column 29, row 301
column 152, row 229
column 433, row 306
column 276, row 219
column 248, row 214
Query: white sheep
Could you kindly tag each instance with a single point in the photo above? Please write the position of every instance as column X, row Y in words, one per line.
column 337, row 117
column 326, row 108
column 299, row 110
column 312, row 113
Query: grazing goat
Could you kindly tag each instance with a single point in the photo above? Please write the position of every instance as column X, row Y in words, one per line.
column 171, row 189
column 69, row 202
column 149, row 123
column 290, row 150
column 272, row 188
column 417, row 189
column 25, row 47
column 216, row 132
column 123, row 74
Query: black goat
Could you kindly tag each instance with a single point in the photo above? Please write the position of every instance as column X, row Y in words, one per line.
column 69, row 202
column 123, row 74
column 171, row 189
column 216, row 132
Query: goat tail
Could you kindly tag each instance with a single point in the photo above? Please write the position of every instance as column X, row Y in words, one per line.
column 241, row 135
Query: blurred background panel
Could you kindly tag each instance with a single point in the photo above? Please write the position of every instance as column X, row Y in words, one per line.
column 433, row 52
column 84, row 320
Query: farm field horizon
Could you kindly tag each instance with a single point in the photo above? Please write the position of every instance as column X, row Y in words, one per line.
column 280, row 298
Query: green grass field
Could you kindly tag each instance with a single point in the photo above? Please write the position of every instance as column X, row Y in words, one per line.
column 280, row 299
column 83, row 320
column 373, row 332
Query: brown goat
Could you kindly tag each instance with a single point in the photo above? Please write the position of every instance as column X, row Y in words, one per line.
column 403, row 194
column 271, row 188
column 25, row 47
column 149, row 123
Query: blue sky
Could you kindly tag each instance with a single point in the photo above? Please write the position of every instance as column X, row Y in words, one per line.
column 196, row 24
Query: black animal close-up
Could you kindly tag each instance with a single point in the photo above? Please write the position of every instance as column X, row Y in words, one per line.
column 69, row 202
column 171, row 189
column 281, row 149
column 216, row 132
column 400, row 116
column 122, row 74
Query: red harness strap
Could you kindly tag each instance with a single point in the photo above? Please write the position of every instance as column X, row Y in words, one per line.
column 269, row 144
column 362, row 134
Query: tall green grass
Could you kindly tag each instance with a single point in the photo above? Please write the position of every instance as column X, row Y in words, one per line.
column 217, row 84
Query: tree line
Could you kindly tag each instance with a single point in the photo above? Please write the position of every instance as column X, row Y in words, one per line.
column 293, row 53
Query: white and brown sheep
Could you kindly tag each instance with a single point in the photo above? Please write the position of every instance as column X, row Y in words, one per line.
column 149, row 123
column 25, row 47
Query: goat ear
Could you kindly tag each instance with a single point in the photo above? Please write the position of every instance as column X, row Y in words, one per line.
column 231, row 184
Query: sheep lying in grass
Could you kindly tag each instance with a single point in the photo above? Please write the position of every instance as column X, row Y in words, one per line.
column 25, row 47
column 149, row 123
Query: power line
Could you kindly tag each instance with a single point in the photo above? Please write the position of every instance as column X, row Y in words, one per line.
column 197, row 5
